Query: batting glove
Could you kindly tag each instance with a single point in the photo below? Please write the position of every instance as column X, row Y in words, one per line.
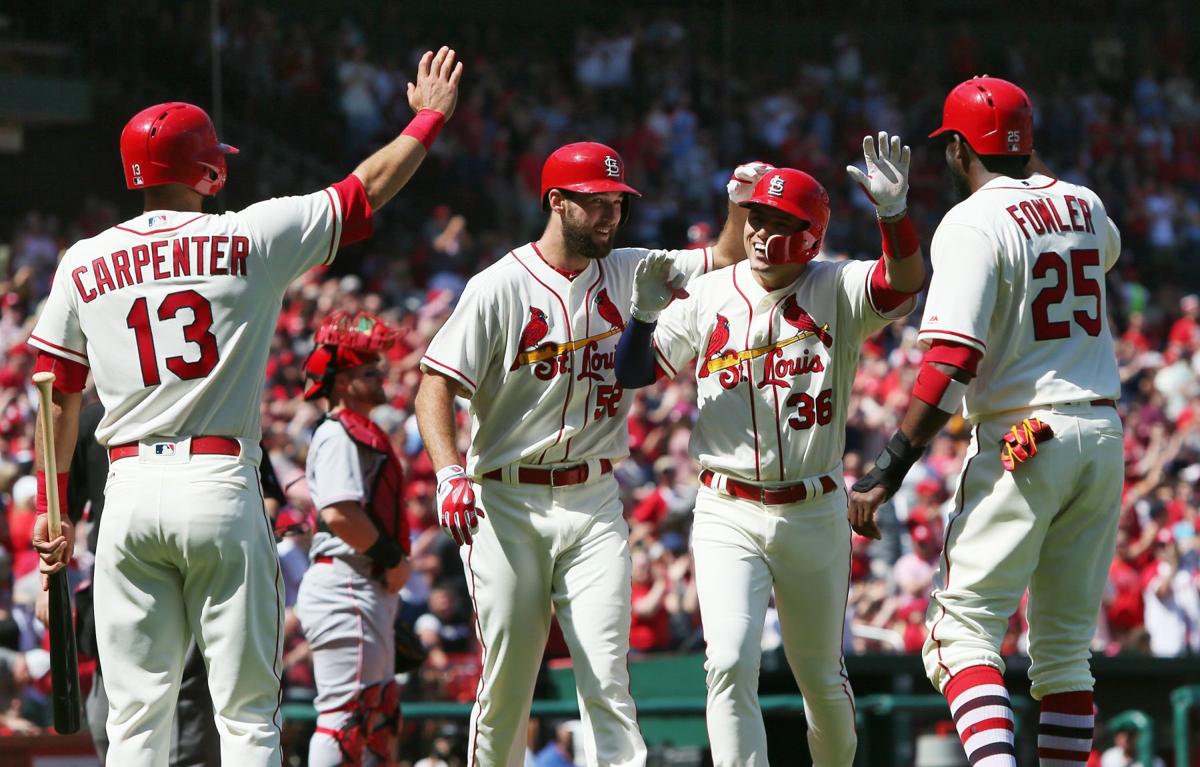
column 1021, row 441
column 655, row 287
column 886, row 179
column 457, row 513
column 745, row 177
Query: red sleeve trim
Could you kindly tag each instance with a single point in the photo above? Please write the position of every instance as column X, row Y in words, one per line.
column 358, row 221
column 884, row 296
column 955, row 354
column 449, row 370
column 42, row 344
column 69, row 376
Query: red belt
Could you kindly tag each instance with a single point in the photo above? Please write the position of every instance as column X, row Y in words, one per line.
column 200, row 446
column 567, row 475
column 1104, row 403
column 323, row 561
column 766, row 495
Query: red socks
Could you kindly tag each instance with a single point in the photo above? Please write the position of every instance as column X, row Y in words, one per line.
column 1065, row 729
column 983, row 715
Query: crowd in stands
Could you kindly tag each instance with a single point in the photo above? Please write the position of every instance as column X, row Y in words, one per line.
column 1126, row 123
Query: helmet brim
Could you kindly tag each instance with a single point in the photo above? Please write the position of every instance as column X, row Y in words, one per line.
column 599, row 187
column 780, row 205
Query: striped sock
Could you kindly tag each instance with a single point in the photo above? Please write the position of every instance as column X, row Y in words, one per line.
column 983, row 714
column 1065, row 729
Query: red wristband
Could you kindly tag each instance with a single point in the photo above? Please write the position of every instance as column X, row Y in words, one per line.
column 425, row 127
column 900, row 238
column 42, row 500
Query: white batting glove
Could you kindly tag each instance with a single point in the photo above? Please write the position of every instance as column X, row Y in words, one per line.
column 741, row 184
column 655, row 287
column 457, row 513
column 886, row 179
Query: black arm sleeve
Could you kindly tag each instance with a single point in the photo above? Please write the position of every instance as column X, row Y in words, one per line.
column 635, row 355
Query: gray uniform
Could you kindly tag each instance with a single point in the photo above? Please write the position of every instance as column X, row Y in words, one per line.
column 346, row 613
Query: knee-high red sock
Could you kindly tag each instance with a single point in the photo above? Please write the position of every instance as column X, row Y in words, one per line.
column 1065, row 729
column 983, row 715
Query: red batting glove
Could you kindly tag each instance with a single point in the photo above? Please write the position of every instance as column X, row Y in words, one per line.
column 457, row 513
column 1020, row 443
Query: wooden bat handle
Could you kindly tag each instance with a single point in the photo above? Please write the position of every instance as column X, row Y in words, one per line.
column 45, row 383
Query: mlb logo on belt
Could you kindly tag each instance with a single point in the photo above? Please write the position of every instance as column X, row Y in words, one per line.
column 164, row 448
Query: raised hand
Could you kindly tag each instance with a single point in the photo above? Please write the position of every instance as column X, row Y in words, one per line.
column 886, row 179
column 655, row 287
column 437, row 82
column 745, row 177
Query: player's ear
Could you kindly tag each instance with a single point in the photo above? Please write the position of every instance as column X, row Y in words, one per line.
column 557, row 201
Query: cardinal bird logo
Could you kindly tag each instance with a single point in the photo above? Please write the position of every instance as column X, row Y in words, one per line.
column 535, row 330
column 608, row 310
column 794, row 315
column 716, row 343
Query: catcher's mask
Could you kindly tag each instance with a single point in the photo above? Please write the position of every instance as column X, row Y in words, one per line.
column 344, row 341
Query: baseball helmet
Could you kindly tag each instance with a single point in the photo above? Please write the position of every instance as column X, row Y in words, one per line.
column 173, row 143
column 587, row 167
column 344, row 341
column 992, row 115
column 796, row 193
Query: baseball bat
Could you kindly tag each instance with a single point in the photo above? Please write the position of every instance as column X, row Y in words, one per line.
column 64, row 663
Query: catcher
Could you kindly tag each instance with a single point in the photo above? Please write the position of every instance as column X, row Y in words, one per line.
column 348, row 599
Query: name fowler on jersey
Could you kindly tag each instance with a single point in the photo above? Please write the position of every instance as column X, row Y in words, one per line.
column 198, row 255
column 1041, row 215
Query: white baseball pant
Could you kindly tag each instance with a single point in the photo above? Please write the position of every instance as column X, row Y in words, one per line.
column 186, row 549
column 743, row 550
column 567, row 546
column 1049, row 526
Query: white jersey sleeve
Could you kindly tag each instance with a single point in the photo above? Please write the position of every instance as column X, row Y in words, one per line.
column 962, row 294
column 854, row 287
column 676, row 337
column 58, row 331
column 1112, row 244
column 468, row 344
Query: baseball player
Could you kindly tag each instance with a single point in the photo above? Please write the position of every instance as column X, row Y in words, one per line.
column 173, row 313
column 531, row 344
column 349, row 597
column 776, row 342
column 1015, row 323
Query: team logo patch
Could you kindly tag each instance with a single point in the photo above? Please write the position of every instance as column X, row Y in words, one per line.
column 731, row 364
column 551, row 358
column 612, row 166
column 775, row 188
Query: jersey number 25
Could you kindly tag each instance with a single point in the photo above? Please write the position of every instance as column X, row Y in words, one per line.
column 197, row 332
column 1046, row 329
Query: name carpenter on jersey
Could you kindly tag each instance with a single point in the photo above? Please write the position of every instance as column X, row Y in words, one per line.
column 198, row 255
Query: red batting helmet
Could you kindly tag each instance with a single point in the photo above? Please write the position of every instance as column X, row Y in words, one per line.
column 798, row 194
column 344, row 341
column 992, row 115
column 587, row 167
column 173, row 143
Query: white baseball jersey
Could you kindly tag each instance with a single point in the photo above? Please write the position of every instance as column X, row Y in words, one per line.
column 535, row 352
column 1018, row 274
column 174, row 311
column 774, row 369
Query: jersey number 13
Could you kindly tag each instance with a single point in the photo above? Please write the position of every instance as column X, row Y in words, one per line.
column 197, row 332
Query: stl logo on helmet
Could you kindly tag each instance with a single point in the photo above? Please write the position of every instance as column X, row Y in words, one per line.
column 775, row 188
column 612, row 166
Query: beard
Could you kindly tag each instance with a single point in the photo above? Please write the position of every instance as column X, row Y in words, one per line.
column 958, row 184
column 581, row 241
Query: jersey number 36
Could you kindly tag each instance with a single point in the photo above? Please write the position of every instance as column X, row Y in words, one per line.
column 197, row 332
